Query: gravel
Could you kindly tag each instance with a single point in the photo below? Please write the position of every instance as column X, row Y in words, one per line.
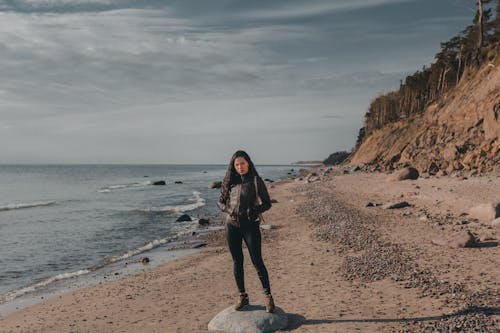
column 368, row 258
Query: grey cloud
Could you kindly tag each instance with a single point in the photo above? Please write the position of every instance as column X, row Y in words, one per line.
column 184, row 76
column 294, row 9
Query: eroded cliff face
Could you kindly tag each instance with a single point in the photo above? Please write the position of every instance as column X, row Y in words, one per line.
column 459, row 132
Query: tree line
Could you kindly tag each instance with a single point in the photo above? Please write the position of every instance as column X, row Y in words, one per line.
column 462, row 54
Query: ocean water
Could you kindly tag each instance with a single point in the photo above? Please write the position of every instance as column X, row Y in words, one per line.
column 62, row 221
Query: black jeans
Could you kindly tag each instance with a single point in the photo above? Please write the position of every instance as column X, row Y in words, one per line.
column 249, row 232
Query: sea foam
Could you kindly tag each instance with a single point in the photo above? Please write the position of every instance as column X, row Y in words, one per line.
column 117, row 187
column 22, row 291
column 196, row 199
column 26, row 205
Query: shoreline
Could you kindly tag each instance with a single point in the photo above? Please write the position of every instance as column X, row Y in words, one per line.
column 112, row 272
column 56, row 285
column 307, row 266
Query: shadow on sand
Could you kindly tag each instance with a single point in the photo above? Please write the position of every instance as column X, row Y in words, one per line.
column 296, row 320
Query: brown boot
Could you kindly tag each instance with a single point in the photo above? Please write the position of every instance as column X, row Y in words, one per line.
column 243, row 301
column 269, row 303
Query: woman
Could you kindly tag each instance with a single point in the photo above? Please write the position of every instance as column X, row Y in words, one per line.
column 238, row 200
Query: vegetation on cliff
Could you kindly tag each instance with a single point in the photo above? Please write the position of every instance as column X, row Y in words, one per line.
column 458, row 58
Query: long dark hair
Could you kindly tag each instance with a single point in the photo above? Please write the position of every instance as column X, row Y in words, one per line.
column 232, row 177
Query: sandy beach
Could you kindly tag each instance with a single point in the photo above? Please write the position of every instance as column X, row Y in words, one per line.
column 335, row 265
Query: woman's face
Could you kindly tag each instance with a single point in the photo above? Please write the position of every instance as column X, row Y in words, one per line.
column 241, row 165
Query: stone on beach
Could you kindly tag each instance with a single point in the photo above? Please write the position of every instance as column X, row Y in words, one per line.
column 266, row 226
column 403, row 174
column 253, row 319
column 457, row 240
column 184, row 218
column 216, row 184
column 396, row 205
column 486, row 212
column 203, row 221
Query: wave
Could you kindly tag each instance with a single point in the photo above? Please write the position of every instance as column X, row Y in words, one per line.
column 197, row 201
column 26, row 205
column 22, row 291
column 112, row 188
column 154, row 243
column 146, row 247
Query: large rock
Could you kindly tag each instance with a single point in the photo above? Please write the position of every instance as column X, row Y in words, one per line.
column 496, row 222
column 184, row 218
column 403, row 174
column 457, row 240
column 433, row 169
column 216, row 184
column 254, row 319
column 396, row 205
column 486, row 212
column 203, row 221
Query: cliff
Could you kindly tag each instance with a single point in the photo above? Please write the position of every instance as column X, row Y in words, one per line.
column 459, row 131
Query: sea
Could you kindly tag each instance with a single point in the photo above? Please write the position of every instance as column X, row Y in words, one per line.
column 62, row 222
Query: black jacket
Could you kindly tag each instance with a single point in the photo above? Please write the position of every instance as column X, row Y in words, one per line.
column 241, row 206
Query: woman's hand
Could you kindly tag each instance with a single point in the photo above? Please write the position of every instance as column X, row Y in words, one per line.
column 252, row 214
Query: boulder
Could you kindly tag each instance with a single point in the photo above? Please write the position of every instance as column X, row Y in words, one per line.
column 433, row 169
column 457, row 240
column 184, row 218
column 496, row 223
column 403, row 174
column 216, row 184
column 312, row 179
column 178, row 182
column 486, row 212
column 253, row 319
column 396, row 205
column 266, row 226
column 203, row 221
column 159, row 182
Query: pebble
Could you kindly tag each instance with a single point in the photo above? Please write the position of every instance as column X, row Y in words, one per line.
column 376, row 259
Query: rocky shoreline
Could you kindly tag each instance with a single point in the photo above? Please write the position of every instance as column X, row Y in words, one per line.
column 375, row 259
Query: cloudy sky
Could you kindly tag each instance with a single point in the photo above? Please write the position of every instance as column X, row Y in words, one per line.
column 191, row 81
